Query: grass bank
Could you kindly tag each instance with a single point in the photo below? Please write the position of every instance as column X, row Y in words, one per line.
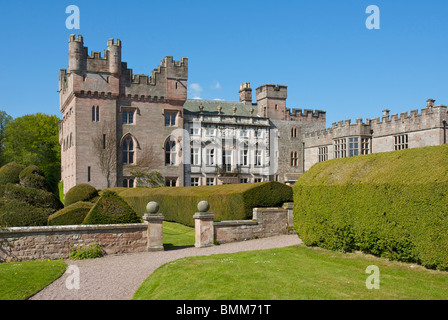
column 292, row 273
column 21, row 280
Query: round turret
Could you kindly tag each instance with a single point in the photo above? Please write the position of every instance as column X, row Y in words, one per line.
column 76, row 56
column 114, row 56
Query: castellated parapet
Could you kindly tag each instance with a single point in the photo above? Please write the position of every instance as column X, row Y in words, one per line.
column 381, row 134
column 107, row 77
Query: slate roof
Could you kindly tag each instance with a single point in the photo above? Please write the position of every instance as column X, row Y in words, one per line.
column 211, row 107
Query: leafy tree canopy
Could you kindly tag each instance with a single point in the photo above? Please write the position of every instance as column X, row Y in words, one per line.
column 33, row 140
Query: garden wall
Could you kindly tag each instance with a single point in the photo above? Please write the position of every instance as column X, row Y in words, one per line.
column 266, row 222
column 55, row 242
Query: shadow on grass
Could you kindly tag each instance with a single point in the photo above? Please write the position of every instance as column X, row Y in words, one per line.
column 170, row 246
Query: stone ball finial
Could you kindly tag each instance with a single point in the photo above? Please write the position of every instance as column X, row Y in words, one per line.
column 203, row 206
column 152, row 207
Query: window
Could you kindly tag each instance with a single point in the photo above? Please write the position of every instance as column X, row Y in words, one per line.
column 104, row 141
column 128, row 183
column 293, row 132
column 195, row 156
column 88, row 174
column 256, row 180
column 340, row 148
column 128, row 116
column 258, row 157
column 95, row 114
column 194, row 182
column 170, row 181
column 365, row 145
column 210, row 157
column 244, row 180
column 227, row 160
column 194, row 131
column 170, row 119
column 294, row 159
column 170, row 152
column 128, row 151
column 258, row 133
column 244, row 155
column 244, row 134
column 353, row 147
column 210, row 181
column 323, row 154
column 209, row 132
column 401, row 142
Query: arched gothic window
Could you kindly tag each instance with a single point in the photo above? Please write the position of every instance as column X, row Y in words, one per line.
column 128, row 151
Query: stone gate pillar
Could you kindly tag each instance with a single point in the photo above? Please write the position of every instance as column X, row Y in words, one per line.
column 155, row 227
column 204, row 226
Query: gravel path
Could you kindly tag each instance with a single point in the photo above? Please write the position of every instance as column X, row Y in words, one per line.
column 117, row 277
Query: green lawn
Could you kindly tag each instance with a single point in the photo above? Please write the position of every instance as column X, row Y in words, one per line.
column 20, row 280
column 297, row 272
column 177, row 236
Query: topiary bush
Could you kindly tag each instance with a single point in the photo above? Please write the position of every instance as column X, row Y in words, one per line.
column 33, row 197
column 9, row 173
column 111, row 209
column 20, row 214
column 80, row 192
column 384, row 204
column 73, row 214
column 227, row 202
column 33, row 177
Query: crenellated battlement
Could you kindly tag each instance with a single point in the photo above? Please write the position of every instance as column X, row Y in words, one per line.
column 429, row 117
column 307, row 114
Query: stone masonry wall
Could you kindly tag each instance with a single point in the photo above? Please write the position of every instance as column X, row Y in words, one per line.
column 266, row 222
column 40, row 243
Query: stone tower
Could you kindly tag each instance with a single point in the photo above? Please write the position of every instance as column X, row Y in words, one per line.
column 101, row 97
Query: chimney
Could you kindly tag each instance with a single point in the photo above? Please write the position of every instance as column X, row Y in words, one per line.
column 386, row 113
column 430, row 102
column 246, row 93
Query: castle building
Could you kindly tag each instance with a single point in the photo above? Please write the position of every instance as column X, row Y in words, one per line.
column 116, row 124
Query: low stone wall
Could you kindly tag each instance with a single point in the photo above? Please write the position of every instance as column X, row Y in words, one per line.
column 55, row 242
column 266, row 222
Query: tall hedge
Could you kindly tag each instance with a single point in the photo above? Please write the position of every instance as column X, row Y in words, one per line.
column 33, row 197
column 33, row 177
column 227, row 202
column 73, row 214
column 80, row 192
column 9, row 173
column 111, row 209
column 19, row 214
column 392, row 204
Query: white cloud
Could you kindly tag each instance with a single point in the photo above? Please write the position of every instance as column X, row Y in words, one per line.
column 217, row 85
column 195, row 90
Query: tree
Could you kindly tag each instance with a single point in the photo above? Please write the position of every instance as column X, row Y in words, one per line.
column 105, row 148
column 5, row 119
column 152, row 179
column 33, row 140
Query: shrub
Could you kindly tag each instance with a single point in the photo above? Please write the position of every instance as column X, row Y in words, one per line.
column 70, row 215
column 81, row 252
column 33, row 177
column 227, row 202
column 10, row 172
column 383, row 204
column 33, row 197
column 111, row 209
column 80, row 192
column 20, row 214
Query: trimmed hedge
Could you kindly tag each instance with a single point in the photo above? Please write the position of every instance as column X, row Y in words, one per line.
column 111, row 209
column 21, row 214
column 33, row 177
column 227, row 202
column 72, row 215
column 33, row 197
column 393, row 205
column 9, row 173
column 80, row 192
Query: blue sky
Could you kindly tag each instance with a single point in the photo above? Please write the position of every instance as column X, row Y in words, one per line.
column 320, row 49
